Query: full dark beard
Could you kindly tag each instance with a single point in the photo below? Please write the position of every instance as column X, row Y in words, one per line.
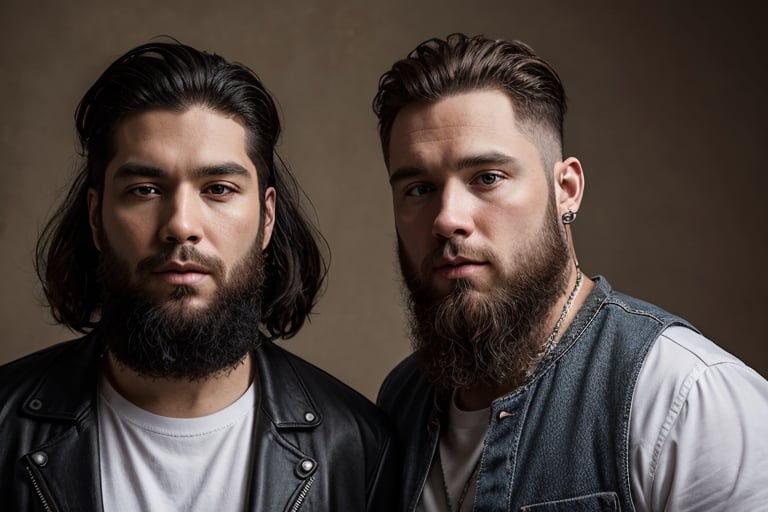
column 170, row 340
column 468, row 338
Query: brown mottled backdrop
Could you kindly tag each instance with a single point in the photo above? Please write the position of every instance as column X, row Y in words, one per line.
column 667, row 113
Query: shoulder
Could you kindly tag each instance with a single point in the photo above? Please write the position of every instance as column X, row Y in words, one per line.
column 684, row 369
column 44, row 394
column 284, row 372
column 307, row 405
column 681, row 360
column 406, row 371
column 27, row 370
column 640, row 308
column 405, row 389
column 689, row 394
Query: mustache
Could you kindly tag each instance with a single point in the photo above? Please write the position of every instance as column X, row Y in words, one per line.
column 185, row 253
column 453, row 248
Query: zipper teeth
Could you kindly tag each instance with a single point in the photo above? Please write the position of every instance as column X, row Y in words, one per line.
column 303, row 494
column 38, row 490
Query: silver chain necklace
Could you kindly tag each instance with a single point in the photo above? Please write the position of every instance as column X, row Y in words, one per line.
column 566, row 309
column 547, row 347
column 464, row 490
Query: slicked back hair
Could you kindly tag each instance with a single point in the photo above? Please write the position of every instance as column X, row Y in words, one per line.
column 172, row 76
column 438, row 68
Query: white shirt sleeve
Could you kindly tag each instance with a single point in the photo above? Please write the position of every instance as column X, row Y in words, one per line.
column 698, row 429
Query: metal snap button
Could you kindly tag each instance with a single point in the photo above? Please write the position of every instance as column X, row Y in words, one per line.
column 309, row 416
column 305, row 467
column 36, row 404
column 40, row 458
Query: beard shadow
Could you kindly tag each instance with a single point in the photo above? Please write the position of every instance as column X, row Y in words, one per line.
column 469, row 337
column 171, row 339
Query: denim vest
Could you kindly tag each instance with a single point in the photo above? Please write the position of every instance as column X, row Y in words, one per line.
column 560, row 441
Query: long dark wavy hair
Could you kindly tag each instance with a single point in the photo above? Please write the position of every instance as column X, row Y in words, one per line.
column 169, row 75
column 438, row 68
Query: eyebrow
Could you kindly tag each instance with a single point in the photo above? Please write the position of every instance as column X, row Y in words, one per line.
column 130, row 170
column 492, row 157
column 468, row 162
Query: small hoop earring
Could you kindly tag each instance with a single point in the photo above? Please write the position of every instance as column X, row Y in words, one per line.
column 569, row 217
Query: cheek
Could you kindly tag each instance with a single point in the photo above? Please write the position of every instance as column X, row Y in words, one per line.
column 414, row 222
column 413, row 239
column 512, row 229
column 235, row 235
column 414, row 255
column 127, row 234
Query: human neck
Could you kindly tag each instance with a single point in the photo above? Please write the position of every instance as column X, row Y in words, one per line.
column 180, row 398
column 565, row 308
column 480, row 397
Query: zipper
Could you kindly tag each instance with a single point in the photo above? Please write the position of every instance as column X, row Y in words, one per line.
column 302, row 494
column 38, row 490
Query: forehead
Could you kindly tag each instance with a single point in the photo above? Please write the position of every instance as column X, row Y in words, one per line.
column 481, row 121
column 174, row 141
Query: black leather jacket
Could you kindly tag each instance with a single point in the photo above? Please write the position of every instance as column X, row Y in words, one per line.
column 49, row 436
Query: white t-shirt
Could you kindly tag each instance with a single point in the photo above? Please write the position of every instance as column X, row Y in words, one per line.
column 461, row 446
column 698, row 433
column 151, row 462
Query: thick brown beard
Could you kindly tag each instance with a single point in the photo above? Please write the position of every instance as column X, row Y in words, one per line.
column 167, row 339
column 470, row 338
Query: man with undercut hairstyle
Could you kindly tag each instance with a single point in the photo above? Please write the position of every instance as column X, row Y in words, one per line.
column 533, row 386
column 181, row 252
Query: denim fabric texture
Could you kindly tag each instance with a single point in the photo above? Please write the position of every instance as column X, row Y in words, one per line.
column 563, row 440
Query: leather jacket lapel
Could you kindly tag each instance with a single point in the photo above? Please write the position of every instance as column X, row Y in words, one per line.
column 63, row 465
column 283, row 469
column 65, row 471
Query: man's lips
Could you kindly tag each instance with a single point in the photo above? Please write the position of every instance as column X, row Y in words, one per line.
column 183, row 273
column 456, row 268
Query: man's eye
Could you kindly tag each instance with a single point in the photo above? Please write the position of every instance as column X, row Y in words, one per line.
column 144, row 191
column 218, row 189
column 489, row 178
column 418, row 190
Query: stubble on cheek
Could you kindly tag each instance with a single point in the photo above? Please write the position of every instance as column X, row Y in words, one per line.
column 143, row 281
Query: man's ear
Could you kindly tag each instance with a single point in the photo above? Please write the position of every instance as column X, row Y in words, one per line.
column 270, row 197
column 569, row 185
column 94, row 216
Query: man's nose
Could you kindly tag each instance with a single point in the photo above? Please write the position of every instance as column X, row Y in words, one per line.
column 182, row 222
column 455, row 215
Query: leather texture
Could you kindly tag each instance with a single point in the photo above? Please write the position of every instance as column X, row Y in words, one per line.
column 317, row 445
column 561, row 440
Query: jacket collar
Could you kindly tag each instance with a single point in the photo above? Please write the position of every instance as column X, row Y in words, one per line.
column 65, row 396
column 67, row 390
column 284, row 396
column 68, row 387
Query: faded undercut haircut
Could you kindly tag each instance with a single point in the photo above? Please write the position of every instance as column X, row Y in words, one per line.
column 438, row 68
column 172, row 76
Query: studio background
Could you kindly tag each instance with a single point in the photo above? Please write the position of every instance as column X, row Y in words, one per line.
column 667, row 115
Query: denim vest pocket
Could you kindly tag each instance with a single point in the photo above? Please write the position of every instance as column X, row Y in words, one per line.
column 598, row 502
